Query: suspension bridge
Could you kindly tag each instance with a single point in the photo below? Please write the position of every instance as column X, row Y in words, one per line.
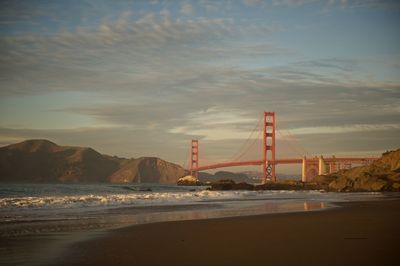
column 311, row 166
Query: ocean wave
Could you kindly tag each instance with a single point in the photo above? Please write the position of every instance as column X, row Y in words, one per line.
column 152, row 198
column 91, row 200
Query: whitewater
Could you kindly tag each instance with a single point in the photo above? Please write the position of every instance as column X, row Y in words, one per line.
column 27, row 209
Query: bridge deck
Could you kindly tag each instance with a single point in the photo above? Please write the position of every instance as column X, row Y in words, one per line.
column 285, row 161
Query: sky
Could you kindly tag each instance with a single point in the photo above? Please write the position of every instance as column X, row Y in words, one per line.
column 143, row 78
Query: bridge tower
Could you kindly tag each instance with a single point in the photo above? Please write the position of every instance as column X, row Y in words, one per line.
column 269, row 147
column 194, row 157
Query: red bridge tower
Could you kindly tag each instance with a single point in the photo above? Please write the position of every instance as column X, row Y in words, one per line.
column 194, row 157
column 269, row 147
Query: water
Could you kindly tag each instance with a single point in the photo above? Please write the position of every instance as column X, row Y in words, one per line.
column 40, row 208
column 55, row 215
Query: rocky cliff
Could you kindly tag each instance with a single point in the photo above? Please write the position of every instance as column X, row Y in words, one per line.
column 381, row 175
column 42, row 161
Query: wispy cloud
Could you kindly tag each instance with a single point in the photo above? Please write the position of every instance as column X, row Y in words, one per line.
column 187, row 9
column 254, row 2
column 133, row 52
column 345, row 129
column 292, row 2
column 170, row 73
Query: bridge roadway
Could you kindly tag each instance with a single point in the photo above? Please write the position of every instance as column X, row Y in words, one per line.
column 285, row 161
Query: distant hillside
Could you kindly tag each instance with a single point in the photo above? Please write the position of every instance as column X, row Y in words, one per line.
column 237, row 177
column 42, row 161
column 256, row 175
column 148, row 170
column 381, row 175
column 247, row 176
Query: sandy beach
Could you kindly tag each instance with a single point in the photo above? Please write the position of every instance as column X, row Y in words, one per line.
column 358, row 233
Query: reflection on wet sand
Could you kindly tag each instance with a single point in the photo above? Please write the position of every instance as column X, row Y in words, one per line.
column 152, row 214
column 312, row 205
column 56, row 235
column 230, row 209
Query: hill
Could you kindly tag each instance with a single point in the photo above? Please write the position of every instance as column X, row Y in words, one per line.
column 148, row 170
column 381, row 175
column 42, row 161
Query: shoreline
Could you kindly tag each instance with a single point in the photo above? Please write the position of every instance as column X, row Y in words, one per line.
column 357, row 233
column 29, row 242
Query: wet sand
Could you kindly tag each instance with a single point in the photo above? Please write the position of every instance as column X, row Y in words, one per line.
column 359, row 233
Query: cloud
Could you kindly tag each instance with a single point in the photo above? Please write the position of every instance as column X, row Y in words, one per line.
column 120, row 141
column 254, row 2
column 219, row 103
column 325, row 5
column 331, row 63
column 187, row 9
column 128, row 142
column 164, row 78
column 275, row 3
column 215, row 124
column 361, row 4
column 345, row 129
column 214, row 6
column 131, row 51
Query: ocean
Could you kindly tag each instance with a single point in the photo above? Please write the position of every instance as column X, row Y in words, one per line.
column 55, row 215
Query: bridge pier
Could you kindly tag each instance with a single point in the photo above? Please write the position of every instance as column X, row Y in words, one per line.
column 310, row 167
column 304, row 170
column 321, row 166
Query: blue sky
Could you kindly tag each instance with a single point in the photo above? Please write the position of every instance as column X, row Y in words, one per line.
column 142, row 78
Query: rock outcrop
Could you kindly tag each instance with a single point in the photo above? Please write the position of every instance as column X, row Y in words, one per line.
column 42, row 161
column 283, row 185
column 230, row 185
column 189, row 181
column 381, row 175
column 224, row 175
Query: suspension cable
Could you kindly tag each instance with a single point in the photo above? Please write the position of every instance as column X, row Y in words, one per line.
column 250, row 146
column 295, row 140
column 240, row 151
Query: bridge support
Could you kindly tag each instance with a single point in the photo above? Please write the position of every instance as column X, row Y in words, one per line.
column 345, row 165
column 333, row 165
column 304, row 170
column 310, row 168
column 269, row 147
column 194, row 157
column 321, row 166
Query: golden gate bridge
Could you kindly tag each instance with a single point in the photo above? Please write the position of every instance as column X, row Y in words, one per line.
column 311, row 167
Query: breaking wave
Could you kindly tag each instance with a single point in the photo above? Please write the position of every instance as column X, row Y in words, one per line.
column 148, row 198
